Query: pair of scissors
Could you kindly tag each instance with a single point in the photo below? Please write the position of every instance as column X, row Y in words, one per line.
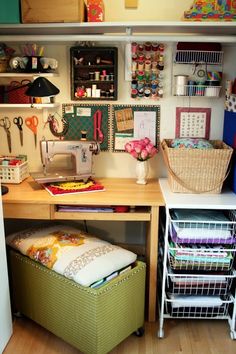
column 32, row 124
column 6, row 124
column 19, row 122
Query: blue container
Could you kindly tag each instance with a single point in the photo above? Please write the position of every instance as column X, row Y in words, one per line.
column 10, row 11
column 229, row 137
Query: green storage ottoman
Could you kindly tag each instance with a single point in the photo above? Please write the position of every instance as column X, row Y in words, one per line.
column 9, row 11
column 92, row 320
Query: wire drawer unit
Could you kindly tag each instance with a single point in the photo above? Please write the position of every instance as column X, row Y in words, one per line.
column 197, row 264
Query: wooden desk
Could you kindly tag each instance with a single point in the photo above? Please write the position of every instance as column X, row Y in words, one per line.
column 29, row 200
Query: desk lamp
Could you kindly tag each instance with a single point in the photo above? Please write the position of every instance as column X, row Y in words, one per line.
column 40, row 87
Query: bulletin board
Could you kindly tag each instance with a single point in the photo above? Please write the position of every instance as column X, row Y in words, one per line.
column 131, row 122
column 84, row 118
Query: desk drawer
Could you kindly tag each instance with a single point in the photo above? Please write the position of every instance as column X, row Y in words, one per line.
column 26, row 211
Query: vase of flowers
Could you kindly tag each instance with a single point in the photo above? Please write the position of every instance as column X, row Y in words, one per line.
column 142, row 150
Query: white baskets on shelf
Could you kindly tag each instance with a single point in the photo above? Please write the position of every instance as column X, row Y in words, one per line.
column 14, row 174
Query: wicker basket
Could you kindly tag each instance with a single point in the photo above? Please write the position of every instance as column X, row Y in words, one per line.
column 197, row 170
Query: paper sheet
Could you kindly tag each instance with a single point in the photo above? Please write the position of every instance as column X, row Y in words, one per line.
column 145, row 125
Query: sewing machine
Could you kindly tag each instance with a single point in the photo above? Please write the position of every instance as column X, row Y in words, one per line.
column 81, row 152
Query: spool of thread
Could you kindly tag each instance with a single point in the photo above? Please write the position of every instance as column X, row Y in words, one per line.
column 154, row 47
column 147, row 93
column 180, row 85
column 134, row 93
column 134, row 84
column 91, row 75
column 141, row 92
column 191, row 88
column 97, row 93
column 140, row 75
column 83, row 134
column 140, row 47
column 147, row 65
column 148, row 46
column 200, row 89
column 97, row 75
column 88, row 92
column 134, row 65
column 134, row 47
column 154, row 84
column 140, row 65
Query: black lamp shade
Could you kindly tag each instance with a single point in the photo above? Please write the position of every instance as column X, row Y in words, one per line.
column 41, row 87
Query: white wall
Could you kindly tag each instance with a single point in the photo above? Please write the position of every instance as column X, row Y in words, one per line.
column 5, row 312
column 110, row 164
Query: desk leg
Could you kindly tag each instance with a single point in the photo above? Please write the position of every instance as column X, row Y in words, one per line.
column 151, row 252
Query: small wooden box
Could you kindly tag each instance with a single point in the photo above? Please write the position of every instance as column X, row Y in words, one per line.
column 44, row 11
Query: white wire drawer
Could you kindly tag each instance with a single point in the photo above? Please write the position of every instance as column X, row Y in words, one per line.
column 200, row 257
column 202, row 226
column 198, row 306
column 199, row 284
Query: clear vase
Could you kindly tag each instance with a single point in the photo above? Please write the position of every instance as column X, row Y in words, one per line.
column 141, row 172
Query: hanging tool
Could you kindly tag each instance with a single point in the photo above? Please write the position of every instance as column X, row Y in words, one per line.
column 97, row 127
column 53, row 125
column 6, row 124
column 32, row 124
column 19, row 122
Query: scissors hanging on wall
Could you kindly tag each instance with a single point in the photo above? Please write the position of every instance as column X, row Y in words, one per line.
column 32, row 124
column 18, row 121
column 6, row 124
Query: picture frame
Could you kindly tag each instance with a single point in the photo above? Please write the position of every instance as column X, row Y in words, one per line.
column 192, row 122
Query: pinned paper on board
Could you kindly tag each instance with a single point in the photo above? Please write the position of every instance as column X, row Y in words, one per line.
column 131, row 122
column 145, row 125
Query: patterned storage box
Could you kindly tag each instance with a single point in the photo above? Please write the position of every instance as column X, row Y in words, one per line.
column 92, row 320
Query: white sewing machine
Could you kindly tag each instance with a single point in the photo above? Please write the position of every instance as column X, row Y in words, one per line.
column 81, row 152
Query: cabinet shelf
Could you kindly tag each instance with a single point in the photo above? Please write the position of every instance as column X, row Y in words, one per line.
column 97, row 66
column 94, row 82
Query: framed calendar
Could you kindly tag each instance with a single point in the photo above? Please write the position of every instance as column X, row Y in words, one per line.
column 192, row 122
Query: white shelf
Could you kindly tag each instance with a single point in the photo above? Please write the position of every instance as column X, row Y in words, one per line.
column 28, row 105
column 21, row 74
column 120, row 31
column 187, row 27
column 225, row 200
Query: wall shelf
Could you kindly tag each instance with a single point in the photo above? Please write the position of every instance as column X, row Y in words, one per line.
column 120, row 31
column 22, row 74
column 29, row 105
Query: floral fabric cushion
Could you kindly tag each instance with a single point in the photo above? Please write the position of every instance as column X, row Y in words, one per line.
column 190, row 143
column 73, row 253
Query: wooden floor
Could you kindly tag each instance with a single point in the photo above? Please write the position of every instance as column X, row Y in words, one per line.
column 181, row 337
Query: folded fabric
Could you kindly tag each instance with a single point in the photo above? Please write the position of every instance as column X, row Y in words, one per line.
column 190, row 143
column 195, row 301
column 198, row 224
column 71, row 252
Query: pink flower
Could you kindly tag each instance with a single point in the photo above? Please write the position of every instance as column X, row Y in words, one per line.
column 142, row 149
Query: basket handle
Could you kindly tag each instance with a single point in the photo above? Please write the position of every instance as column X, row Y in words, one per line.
column 183, row 184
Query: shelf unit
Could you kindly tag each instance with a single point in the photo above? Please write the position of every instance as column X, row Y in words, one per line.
column 190, row 71
column 94, row 74
column 197, row 276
